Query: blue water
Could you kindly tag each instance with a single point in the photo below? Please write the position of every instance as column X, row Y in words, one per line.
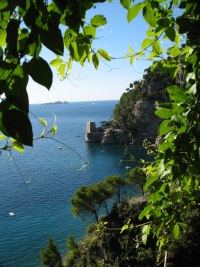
column 37, row 185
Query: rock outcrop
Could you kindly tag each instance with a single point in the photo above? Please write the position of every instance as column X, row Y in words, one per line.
column 146, row 127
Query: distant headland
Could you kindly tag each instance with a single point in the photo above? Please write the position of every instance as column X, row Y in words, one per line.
column 56, row 102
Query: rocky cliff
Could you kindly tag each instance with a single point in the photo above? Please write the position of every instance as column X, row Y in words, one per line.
column 146, row 127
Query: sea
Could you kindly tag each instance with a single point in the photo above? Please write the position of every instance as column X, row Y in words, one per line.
column 36, row 185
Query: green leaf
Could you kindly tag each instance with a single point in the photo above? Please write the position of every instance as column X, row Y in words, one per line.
column 193, row 89
column 5, row 70
column 132, row 59
column 125, row 227
column 104, row 54
column 56, row 62
column 90, row 31
column 130, row 48
column 157, row 48
column 43, row 121
column 95, row 60
column 146, row 43
column 150, row 181
column 126, row 3
column 12, row 36
column 69, row 37
column 3, row 4
column 18, row 146
column 146, row 229
column 98, row 21
column 144, row 239
column 134, row 11
column 53, row 40
column 17, row 94
column 62, row 70
column 176, row 230
column 164, row 146
column 163, row 113
column 177, row 94
column 54, row 129
column 145, row 211
column 149, row 15
column 40, row 71
column 171, row 33
column 18, row 126
column 164, row 128
column 2, row 37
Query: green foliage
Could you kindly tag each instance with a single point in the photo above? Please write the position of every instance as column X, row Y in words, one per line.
column 121, row 240
column 73, row 253
column 50, row 256
column 112, row 247
column 88, row 200
column 26, row 26
column 173, row 178
column 115, row 183
column 151, row 88
column 136, row 177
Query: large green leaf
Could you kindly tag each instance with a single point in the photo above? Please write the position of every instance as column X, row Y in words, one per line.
column 149, row 15
column 145, row 211
column 147, row 42
column 18, row 126
column 177, row 94
column 134, row 11
column 150, row 181
column 69, row 37
column 125, row 3
column 40, row 71
column 157, row 48
column 3, row 4
column 90, row 31
column 164, row 128
column 98, row 21
column 53, row 40
column 164, row 113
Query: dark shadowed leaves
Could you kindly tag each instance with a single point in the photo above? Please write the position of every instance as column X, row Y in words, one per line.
column 17, row 94
column 18, row 126
column 12, row 36
column 40, row 71
column 53, row 40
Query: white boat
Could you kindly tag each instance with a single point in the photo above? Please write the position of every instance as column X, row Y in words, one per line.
column 11, row 213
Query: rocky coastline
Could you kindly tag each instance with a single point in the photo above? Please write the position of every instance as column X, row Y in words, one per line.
column 146, row 128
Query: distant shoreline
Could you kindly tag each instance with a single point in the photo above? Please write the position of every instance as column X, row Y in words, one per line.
column 71, row 102
column 55, row 103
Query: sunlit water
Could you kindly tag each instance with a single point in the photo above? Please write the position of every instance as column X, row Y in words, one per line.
column 36, row 186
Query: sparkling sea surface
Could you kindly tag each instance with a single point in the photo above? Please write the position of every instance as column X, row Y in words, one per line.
column 37, row 185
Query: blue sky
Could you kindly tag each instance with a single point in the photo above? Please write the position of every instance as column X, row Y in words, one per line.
column 112, row 78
